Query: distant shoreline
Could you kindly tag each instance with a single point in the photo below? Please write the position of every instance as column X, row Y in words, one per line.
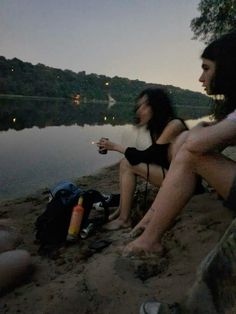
column 10, row 96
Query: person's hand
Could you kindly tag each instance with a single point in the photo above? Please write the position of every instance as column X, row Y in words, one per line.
column 204, row 124
column 105, row 143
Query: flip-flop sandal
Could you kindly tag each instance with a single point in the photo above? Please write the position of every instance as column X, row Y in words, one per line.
column 98, row 245
column 154, row 307
column 151, row 307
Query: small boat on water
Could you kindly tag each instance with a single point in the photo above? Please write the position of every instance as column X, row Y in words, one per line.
column 111, row 100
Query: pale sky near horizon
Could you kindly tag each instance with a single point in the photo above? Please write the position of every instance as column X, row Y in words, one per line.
column 149, row 40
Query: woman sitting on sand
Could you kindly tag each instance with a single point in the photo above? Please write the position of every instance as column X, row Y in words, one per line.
column 155, row 111
column 14, row 263
column 198, row 151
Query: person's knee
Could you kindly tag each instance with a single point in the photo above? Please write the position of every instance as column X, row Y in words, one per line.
column 184, row 156
column 177, row 144
column 14, row 267
column 124, row 165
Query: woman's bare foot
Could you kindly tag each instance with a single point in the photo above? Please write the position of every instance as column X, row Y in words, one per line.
column 114, row 215
column 117, row 224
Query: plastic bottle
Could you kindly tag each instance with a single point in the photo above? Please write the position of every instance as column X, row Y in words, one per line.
column 75, row 221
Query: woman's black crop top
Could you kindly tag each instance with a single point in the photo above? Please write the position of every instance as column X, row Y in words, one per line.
column 154, row 154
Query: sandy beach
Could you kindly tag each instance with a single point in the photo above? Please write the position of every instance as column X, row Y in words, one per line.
column 78, row 280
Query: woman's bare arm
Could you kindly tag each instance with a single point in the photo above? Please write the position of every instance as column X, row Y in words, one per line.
column 171, row 131
column 205, row 138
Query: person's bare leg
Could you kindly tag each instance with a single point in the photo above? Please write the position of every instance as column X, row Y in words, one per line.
column 179, row 183
column 127, row 188
column 157, row 181
column 115, row 214
column 172, row 151
column 128, row 175
column 122, row 171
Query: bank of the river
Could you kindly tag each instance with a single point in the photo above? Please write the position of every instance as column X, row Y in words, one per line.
column 80, row 281
column 11, row 96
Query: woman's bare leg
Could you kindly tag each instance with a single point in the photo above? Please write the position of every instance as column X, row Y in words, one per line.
column 114, row 215
column 172, row 151
column 122, row 171
column 128, row 175
column 180, row 183
column 127, row 187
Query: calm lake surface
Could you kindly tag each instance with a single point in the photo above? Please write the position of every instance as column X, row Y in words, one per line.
column 41, row 143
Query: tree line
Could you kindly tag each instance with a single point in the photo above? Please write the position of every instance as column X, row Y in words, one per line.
column 23, row 78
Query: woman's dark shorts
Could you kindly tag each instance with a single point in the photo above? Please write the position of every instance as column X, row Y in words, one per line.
column 230, row 202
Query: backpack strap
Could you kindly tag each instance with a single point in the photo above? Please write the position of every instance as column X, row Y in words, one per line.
column 95, row 196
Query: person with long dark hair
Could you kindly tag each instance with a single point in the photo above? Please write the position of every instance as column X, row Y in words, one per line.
column 153, row 109
column 198, row 151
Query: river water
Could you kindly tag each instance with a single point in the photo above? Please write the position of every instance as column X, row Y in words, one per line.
column 41, row 146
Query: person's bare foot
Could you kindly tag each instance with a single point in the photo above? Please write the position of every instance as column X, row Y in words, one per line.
column 141, row 248
column 114, row 215
column 117, row 224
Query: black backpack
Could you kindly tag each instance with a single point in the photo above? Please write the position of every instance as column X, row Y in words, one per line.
column 52, row 225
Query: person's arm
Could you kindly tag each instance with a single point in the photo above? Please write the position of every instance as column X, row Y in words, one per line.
column 171, row 131
column 207, row 137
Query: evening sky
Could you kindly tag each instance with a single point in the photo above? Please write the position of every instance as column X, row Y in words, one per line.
column 149, row 40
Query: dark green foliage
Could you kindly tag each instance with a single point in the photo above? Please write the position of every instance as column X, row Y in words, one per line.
column 23, row 78
column 217, row 17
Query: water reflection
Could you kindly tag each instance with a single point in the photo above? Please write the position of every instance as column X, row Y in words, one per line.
column 19, row 114
column 37, row 158
column 22, row 113
column 46, row 141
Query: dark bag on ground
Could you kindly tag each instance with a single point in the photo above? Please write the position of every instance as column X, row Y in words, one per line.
column 52, row 225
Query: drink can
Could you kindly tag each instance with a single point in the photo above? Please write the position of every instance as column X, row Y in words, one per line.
column 102, row 150
column 84, row 233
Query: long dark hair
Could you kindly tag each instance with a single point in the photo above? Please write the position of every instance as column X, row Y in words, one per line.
column 162, row 111
column 223, row 52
